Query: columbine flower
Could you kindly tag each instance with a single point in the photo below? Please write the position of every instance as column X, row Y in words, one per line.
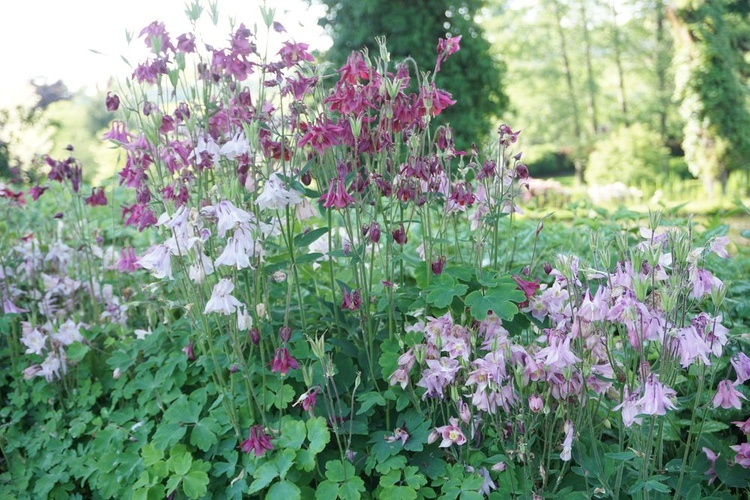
column 727, row 396
column 244, row 320
column 567, row 442
column 33, row 339
column 51, row 367
column 337, row 196
column 112, row 102
column 228, row 216
column 128, row 262
column 451, row 434
column 283, row 361
column 158, row 261
column 711, row 456
column 656, row 397
column 201, row 268
column 744, row 426
column 68, row 333
column 234, row 255
column 743, row 455
column 221, row 301
column 718, row 246
column 741, row 364
column 97, row 197
column 257, row 442
column 536, row 403
column 351, row 301
column 308, row 399
column 275, row 196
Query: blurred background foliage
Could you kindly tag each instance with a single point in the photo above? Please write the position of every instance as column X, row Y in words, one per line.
column 651, row 93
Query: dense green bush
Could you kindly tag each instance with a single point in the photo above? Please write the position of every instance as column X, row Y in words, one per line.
column 630, row 155
column 547, row 160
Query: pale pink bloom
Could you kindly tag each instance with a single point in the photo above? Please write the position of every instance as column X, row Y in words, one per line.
column 221, row 300
column 51, row 367
column 727, row 396
column 743, row 455
column 558, row 353
column 451, row 434
column 158, row 261
column 306, row 210
column 741, row 364
column 718, row 246
column 400, row 376
column 31, row 372
column 68, row 333
column 656, row 399
column 201, row 268
column 33, row 339
column 567, row 442
column 234, row 255
column 744, row 426
column 275, row 196
column 209, row 147
column 691, row 346
column 536, row 403
column 595, row 308
column 703, row 282
column 629, row 408
column 712, row 457
column 499, row 467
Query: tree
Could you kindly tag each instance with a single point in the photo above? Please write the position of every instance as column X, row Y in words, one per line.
column 711, row 38
column 473, row 76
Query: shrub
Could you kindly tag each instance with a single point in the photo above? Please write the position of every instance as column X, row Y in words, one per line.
column 631, row 155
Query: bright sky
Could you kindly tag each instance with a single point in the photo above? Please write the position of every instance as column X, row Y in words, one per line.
column 54, row 40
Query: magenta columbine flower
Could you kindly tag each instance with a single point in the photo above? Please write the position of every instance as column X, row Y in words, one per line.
column 743, row 454
column 351, row 301
column 97, row 197
column 283, row 361
column 189, row 351
column 337, row 196
column 451, row 434
column 399, row 235
column 308, row 399
column 37, row 191
column 727, row 396
column 257, row 441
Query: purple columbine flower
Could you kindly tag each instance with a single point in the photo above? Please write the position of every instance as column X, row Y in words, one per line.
column 112, row 101
column 727, row 396
column 283, row 361
column 257, row 441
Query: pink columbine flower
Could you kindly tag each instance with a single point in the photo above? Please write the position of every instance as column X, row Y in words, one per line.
column 712, row 457
column 536, row 403
column 189, row 351
column 128, row 262
column 656, row 399
column 727, row 396
column 308, row 399
column 744, row 426
column 451, row 434
column 283, row 361
column 743, row 454
column 221, row 300
column 37, row 191
column 718, row 246
column 337, row 196
column 567, row 442
column 741, row 364
column 257, row 442
column 351, row 301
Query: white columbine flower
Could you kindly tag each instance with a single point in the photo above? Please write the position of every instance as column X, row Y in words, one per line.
column 234, row 255
column 34, row 340
column 244, row 320
column 68, row 333
column 275, row 196
column 227, row 216
column 201, row 268
column 221, row 300
column 236, row 146
column 158, row 261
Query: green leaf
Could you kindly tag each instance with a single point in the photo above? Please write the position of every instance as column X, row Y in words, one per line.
column 399, row 493
column 305, row 460
column 292, row 434
column 76, row 351
column 318, row 434
column 263, row 476
column 168, row 434
column 442, row 296
column 339, row 471
column 622, row 455
column 195, row 484
column 305, row 239
column 284, row 460
column 284, row 490
column 368, row 400
column 204, row 432
column 180, row 463
column 151, row 455
column 497, row 300
column 283, row 397
column 351, row 489
column 327, row 490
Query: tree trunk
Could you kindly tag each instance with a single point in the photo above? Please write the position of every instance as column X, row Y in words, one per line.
column 571, row 90
column 590, row 81
column 662, row 65
column 618, row 62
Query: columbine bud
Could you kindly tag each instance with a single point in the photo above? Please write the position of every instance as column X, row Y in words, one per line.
column 526, row 271
column 464, row 412
column 434, row 435
column 112, row 102
column 399, row 235
column 244, row 320
column 547, row 268
column 285, row 333
column 437, row 266
column 233, row 369
column 188, row 350
column 260, row 310
column 306, row 178
column 278, row 276
column 255, row 336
